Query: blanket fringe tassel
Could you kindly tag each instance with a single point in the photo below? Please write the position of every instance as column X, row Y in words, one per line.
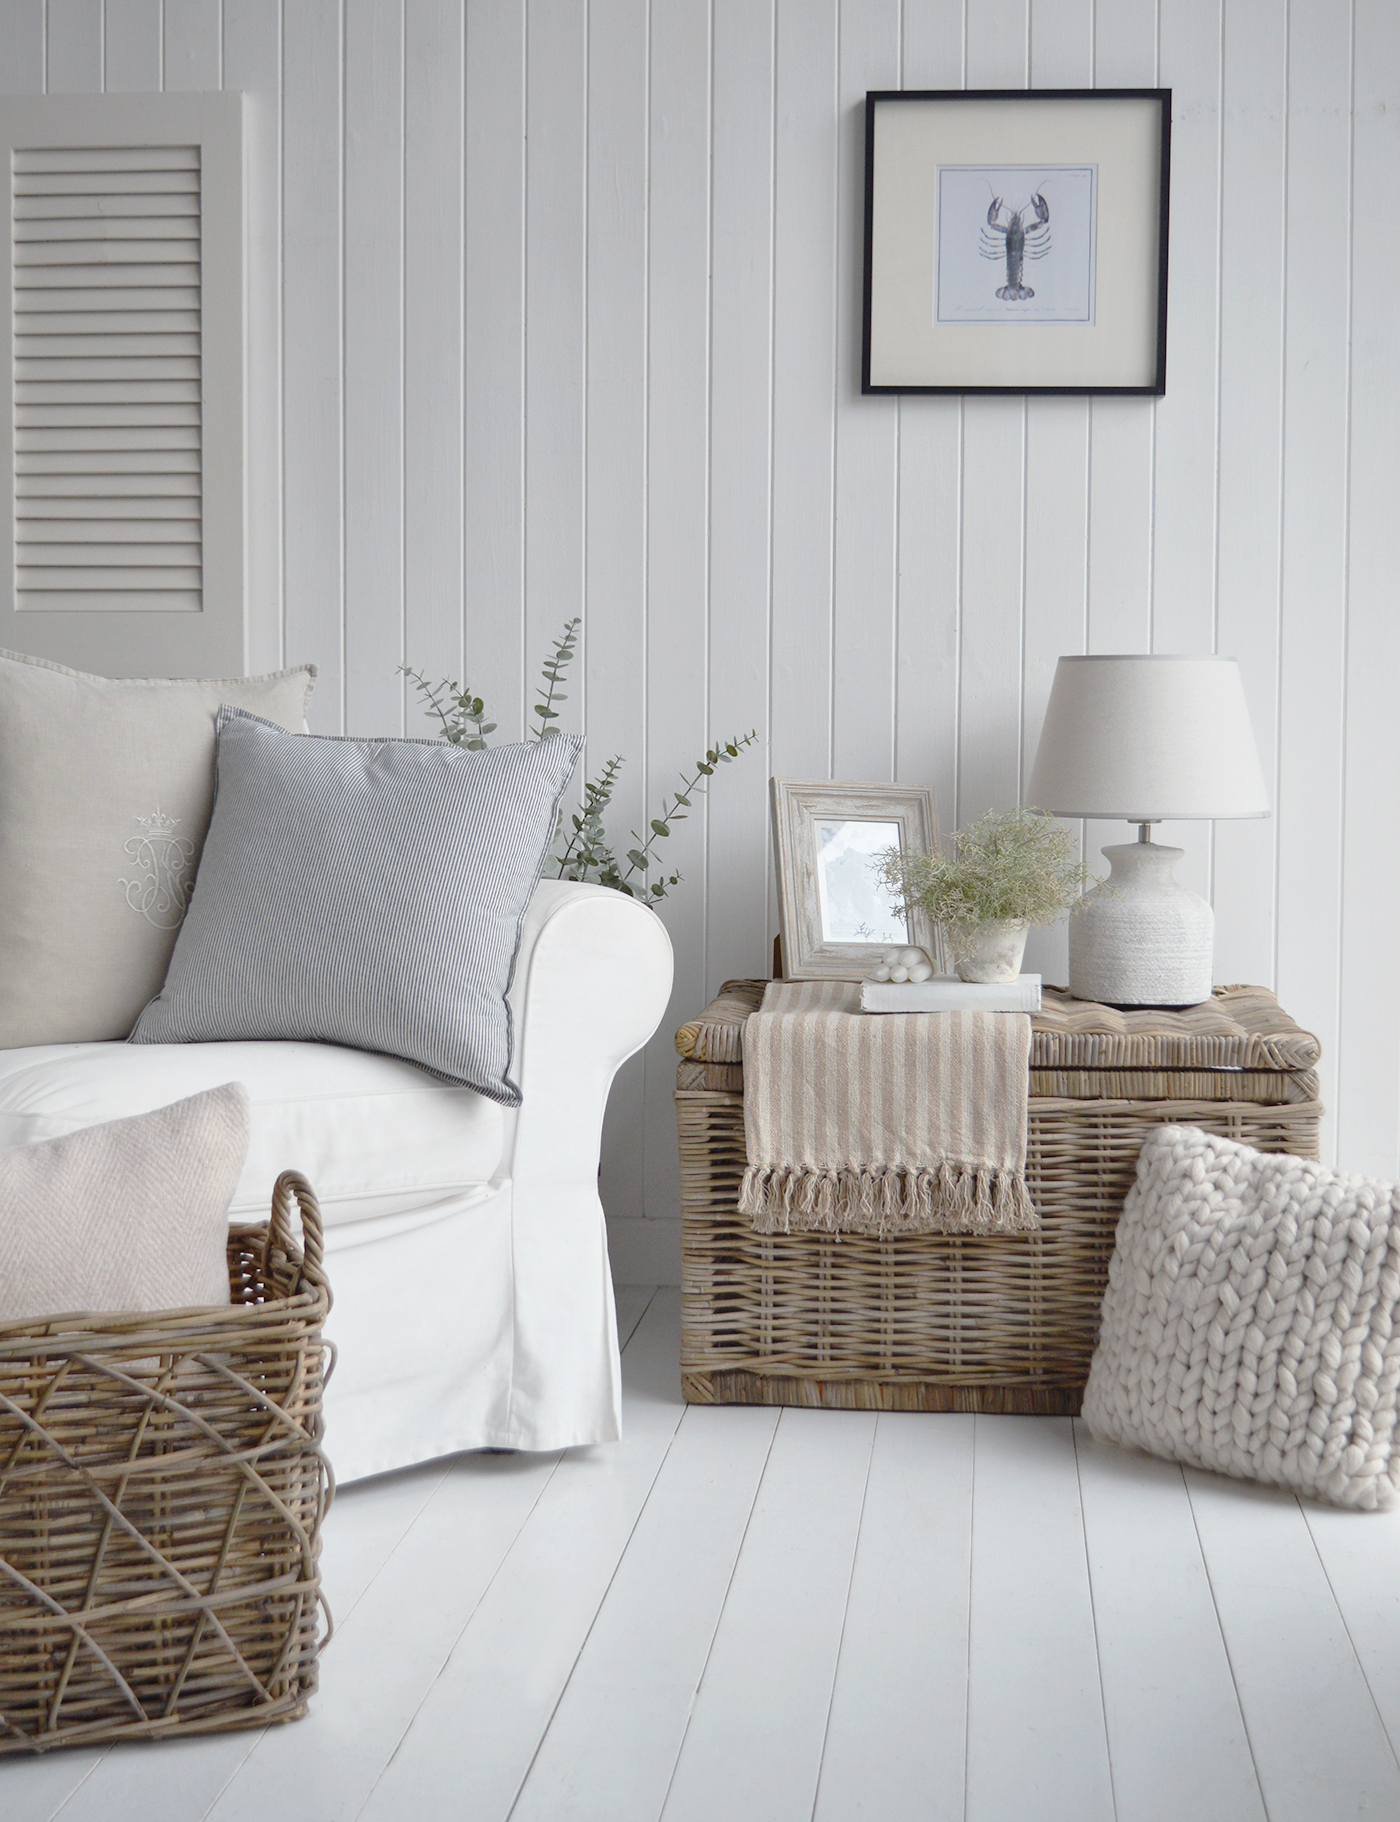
column 884, row 1200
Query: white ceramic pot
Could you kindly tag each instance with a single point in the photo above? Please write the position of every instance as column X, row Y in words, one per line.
column 992, row 952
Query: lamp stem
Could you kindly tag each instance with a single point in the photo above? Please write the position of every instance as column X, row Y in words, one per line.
column 1144, row 831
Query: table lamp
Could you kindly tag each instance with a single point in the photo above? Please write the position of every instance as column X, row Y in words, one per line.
column 1145, row 740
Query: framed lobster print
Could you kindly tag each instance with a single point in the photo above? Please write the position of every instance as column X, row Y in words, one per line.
column 1016, row 240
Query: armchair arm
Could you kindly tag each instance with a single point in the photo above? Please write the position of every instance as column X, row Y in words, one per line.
column 592, row 980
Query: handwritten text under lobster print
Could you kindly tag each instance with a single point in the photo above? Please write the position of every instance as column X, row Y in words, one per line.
column 1016, row 244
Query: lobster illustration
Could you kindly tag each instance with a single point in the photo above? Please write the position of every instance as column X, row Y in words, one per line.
column 1016, row 243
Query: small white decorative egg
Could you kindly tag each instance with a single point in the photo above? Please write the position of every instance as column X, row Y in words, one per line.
column 880, row 973
column 921, row 971
column 910, row 958
column 898, row 973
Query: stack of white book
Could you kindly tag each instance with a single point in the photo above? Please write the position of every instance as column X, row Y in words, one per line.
column 946, row 993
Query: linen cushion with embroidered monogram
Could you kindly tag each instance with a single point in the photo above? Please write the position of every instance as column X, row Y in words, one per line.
column 105, row 791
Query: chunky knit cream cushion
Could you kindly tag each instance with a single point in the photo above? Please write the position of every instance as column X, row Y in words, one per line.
column 131, row 1215
column 1250, row 1322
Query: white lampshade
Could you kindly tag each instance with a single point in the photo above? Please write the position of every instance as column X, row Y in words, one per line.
column 1148, row 739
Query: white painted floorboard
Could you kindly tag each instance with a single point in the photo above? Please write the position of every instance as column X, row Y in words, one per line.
column 1176, row 1738
column 895, row 1742
column 1036, row 1744
column 747, row 1615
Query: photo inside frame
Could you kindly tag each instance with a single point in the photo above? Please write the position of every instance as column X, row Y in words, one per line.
column 853, row 904
column 1015, row 244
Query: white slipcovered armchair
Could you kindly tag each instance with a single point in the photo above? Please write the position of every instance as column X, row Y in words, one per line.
column 465, row 1242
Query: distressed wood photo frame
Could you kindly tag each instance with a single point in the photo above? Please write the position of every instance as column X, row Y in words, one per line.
column 833, row 919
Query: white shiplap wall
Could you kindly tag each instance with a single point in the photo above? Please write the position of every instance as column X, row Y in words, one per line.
column 554, row 310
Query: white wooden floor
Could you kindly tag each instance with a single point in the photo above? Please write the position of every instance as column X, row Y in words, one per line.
column 749, row 1616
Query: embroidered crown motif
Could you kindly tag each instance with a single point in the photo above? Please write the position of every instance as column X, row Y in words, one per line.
column 157, row 826
column 160, row 891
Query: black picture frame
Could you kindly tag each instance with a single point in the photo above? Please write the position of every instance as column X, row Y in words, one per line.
column 922, row 291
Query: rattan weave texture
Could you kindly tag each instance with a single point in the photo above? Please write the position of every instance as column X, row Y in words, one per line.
column 162, row 1487
column 941, row 1322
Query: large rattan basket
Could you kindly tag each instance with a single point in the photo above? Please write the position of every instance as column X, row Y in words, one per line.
column 965, row 1323
column 162, row 1486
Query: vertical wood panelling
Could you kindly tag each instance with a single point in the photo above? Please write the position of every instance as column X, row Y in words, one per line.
column 312, row 327
column 253, row 63
column 193, row 51
column 993, row 547
column 741, row 329
column 1252, row 244
column 22, row 48
column 993, row 509
column 1121, row 430
column 556, row 243
column 374, row 366
column 929, row 505
column 1312, row 651
column 1057, row 482
column 863, row 611
column 432, row 408
column 493, row 507
column 132, row 50
column 804, row 382
column 677, row 487
column 1184, row 454
column 555, row 306
column 615, row 623
column 74, row 47
column 1368, row 1054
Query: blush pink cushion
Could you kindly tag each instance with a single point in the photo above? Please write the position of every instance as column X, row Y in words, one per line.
column 132, row 1215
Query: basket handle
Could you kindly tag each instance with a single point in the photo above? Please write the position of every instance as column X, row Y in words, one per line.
column 292, row 1186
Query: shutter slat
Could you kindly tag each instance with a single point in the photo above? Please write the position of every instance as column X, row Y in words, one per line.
column 97, row 388
column 55, row 534
column 56, row 209
column 48, row 160
column 92, row 506
column 76, row 576
column 63, row 303
column 152, row 251
column 134, row 553
column 123, row 345
column 169, row 418
column 106, row 183
column 112, row 467
column 107, row 371
column 120, row 229
column 127, row 438
column 116, row 601
column 55, row 478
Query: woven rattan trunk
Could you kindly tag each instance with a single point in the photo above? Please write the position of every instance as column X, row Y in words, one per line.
column 965, row 1323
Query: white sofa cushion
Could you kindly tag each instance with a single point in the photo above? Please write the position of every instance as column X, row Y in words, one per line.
column 373, row 1134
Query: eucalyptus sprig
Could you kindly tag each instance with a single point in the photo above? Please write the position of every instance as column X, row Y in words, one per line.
column 554, row 668
column 460, row 713
column 586, row 854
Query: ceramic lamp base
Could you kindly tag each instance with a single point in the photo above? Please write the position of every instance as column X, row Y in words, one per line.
column 1142, row 939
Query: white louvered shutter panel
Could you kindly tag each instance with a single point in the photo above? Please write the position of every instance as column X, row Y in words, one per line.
column 125, row 451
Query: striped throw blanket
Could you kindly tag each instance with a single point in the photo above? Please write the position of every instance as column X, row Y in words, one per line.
column 906, row 1123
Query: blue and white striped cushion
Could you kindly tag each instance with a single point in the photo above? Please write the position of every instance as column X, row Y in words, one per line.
column 363, row 892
